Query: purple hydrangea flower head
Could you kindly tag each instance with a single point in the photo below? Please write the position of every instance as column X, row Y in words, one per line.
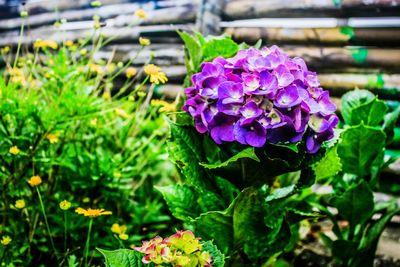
column 259, row 96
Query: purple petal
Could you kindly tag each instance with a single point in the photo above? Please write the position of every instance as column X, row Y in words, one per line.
column 311, row 79
column 312, row 145
column 250, row 134
column 223, row 129
column 230, row 92
column 318, row 124
column 269, row 85
column 251, row 82
column 327, row 107
column 287, row 97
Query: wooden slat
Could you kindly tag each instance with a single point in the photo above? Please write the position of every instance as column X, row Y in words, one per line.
column 241, row 9
column 326, row 36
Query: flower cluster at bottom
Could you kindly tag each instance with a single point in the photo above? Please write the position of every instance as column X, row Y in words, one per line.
column 180, row 249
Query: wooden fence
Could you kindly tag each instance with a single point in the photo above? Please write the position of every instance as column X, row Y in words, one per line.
column 350, row 43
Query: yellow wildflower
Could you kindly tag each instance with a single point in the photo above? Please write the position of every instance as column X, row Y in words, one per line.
column 93, row 122
column 5, row 50
column 106, row 95
column 95, row 4
column 5, row 240
column 69, row 43
column 39, row 43
column 122, row 113
column 65, row 205
column 144, row 41
column 111, row 67
column 20, row 204
column 83, row 51
column 155, row 73
column 130, row 72
column 35, row 181
column 95, row 68
column 141, row 14
column 14, row 150
column 92, row 212
column 165, row 106
column 123, row 236
column 24, row 14
column 53, row 138
column 141, row 94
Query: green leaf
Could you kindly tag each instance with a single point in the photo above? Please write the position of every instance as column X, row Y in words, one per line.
column 246, row 153
column 218, row 259
column 281, row 193
column 123, row 258
column 181, row 200
column 359, row 54
column 389, row 123
column 374, row 231
column 194, row 49
column 354, row 99
column 222, row 46
column 227, row 190
column 328, row 166
column 362, row 106
column 356, row 204
column 359, row 147
column 216, row 226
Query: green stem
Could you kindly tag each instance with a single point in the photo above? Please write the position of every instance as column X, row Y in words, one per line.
column 47, row 223
column 86, row 251
column 65, row 231
column 21, row 33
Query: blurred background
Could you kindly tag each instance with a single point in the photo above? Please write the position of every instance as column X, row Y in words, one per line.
column 350, row 43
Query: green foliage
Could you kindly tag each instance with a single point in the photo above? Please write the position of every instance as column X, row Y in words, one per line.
column 123, row 258
column 359, row 147
column 217, row 256
column 329, row 166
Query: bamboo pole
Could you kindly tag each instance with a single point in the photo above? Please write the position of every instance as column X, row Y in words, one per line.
column 327, row 36
column 241, row 9
column 209, row 17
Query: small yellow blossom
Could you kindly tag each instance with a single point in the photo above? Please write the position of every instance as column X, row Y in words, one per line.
column 95, row 4
column 123, row 236
column 122, row 113
column 92, row 212
column 93, row 122
column 69, row 43
column 24, row 14
column 5, row 50
column 65, row 205
column 5, row 240
column 141, row 94
column 53, row 138
column 83, row 51
column 165, row 106
column 20, row 204
column 155, row 73
column 140, row 13
column 111, row 67
column 131, row 72
column 106, row 95
column 39, row 43
column 96, row 68
column 14, row 150
column 35, row 181
column 144, row 41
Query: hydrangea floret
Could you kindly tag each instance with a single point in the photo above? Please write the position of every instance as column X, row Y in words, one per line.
column 259, row 96
column 180, row 249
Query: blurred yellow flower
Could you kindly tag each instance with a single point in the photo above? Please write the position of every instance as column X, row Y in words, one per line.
column 140, row 13
column 96, row 68
column 122, row 113
column 14, row 150
column 20, row 204
column 95, row 4
column 106, row 95
column 141, row 94
column 131, row 72
column 144, row 41
column 165, row 106
column 5, row 50
column 93, row 122
column 65, row 205
column 24, row 14
column 35, row 181
column 92, row 212
column 53, row 138
column 155, row 73
column 5, row 240
column 111, row 67
column 120, row 231
column 83, row 51
column 123, row 236
column 39, row 43
column 69, row 43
